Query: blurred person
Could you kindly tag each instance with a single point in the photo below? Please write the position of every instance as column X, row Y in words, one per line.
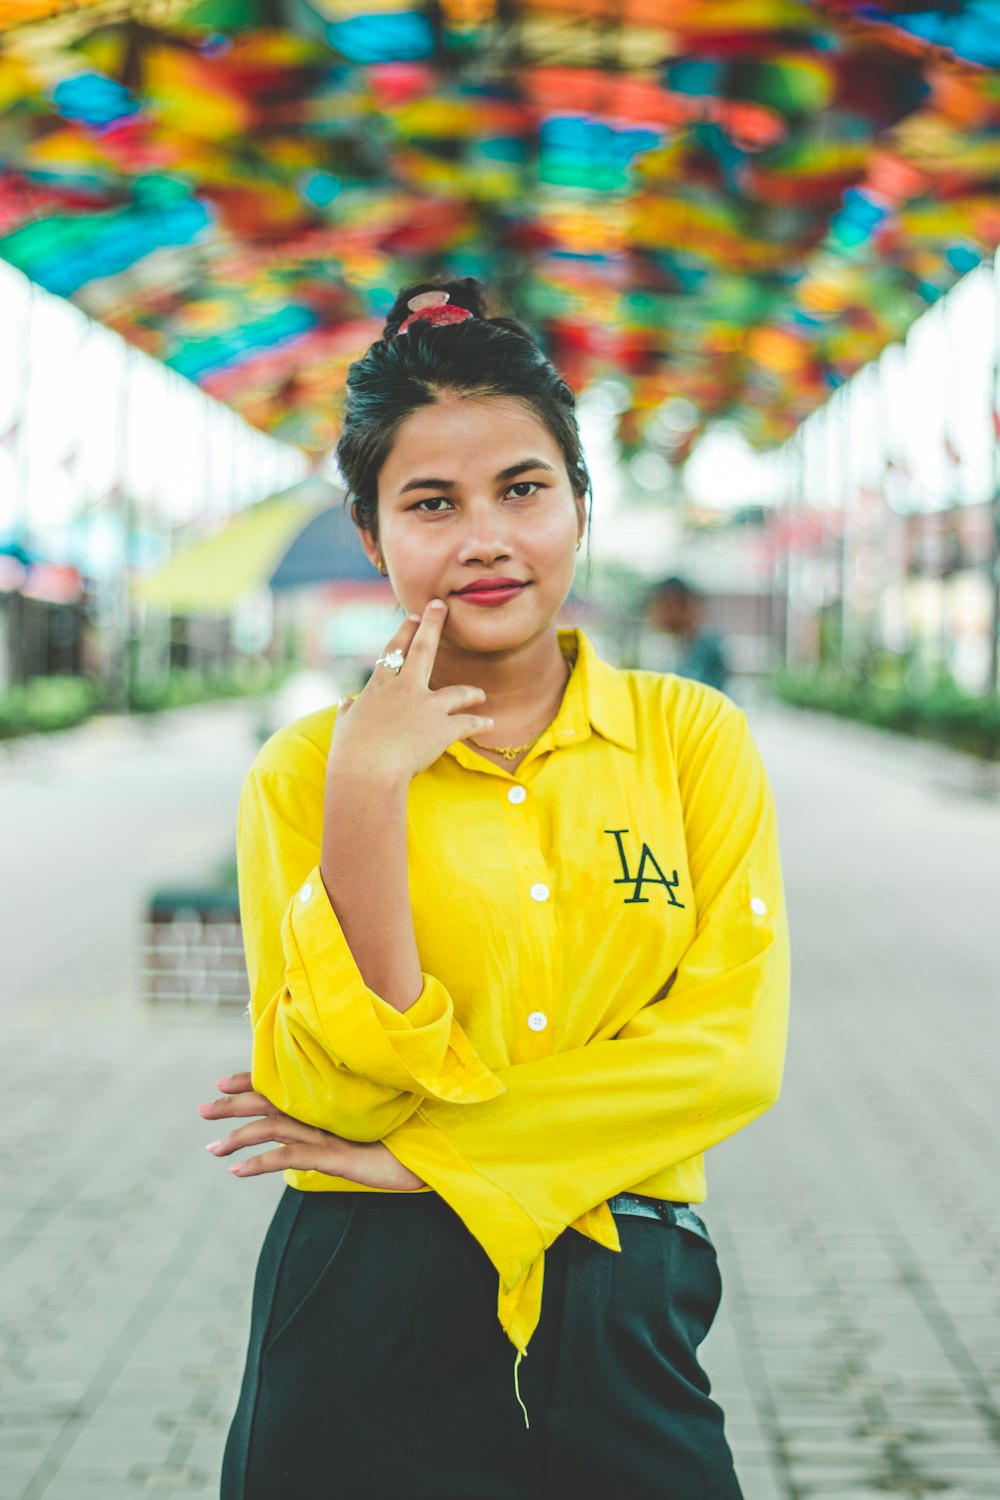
column 518, row 956
column 675, row 610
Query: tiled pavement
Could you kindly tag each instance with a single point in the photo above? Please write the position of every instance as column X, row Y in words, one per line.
column 858, row 1351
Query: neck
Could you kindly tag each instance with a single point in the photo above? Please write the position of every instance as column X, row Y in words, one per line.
column 523, row 686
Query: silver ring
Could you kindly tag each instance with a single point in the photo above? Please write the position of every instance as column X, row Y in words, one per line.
column 393, row 659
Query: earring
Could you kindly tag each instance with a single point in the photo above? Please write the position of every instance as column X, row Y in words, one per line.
column 579, row 543
column 384, row 573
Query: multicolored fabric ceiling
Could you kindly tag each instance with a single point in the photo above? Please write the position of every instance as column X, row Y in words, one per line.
column 735, row 201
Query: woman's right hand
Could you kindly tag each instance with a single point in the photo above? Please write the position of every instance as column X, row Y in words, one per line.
column 398, row 725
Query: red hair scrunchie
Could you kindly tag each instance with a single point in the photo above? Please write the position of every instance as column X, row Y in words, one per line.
column 433, row 308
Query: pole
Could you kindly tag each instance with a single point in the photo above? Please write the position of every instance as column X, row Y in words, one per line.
column 19, row 667
column 121, row 664
column 796, row 494
column 952, row 498
column 993, row 685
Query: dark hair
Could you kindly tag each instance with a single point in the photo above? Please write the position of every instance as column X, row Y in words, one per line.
column 678, row 586
column 481, row 356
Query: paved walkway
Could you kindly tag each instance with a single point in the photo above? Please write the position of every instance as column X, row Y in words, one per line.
column 858, row 1352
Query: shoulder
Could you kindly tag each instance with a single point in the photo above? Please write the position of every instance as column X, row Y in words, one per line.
column 679, row 709
column 297, row 751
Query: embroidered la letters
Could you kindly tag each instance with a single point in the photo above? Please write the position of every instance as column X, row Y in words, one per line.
column 647, row 857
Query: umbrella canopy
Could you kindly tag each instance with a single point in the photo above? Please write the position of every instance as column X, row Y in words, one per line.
column 740, row 202
column 302, row 536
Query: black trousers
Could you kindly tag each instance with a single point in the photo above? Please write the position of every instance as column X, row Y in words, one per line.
column 377, row 1368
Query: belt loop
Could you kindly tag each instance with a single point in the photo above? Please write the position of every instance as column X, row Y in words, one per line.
column 667, row 1211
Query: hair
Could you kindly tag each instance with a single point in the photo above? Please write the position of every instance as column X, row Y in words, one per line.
column 678, row 586
column 480, row 356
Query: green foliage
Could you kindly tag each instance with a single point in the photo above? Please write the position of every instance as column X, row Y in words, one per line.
column 46, row 703
column 941, row 711
column 184, row 686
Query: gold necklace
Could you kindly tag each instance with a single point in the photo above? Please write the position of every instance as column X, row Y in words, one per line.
column 509, row 752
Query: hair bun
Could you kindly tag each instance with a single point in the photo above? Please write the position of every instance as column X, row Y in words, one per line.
column 464, row 292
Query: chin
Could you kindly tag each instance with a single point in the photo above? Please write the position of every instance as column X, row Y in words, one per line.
column 499, row 630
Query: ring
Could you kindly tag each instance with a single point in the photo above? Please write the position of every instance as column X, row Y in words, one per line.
column 393, row 659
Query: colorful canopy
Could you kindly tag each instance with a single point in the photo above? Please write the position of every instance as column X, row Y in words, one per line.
column 300, row 537
column 735, row 201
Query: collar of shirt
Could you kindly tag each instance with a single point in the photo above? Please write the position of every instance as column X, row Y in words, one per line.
column 596, row 698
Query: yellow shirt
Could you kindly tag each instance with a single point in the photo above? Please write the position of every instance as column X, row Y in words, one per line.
column 605, row 957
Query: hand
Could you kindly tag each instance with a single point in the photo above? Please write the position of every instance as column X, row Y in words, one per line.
column 398, row 725
column 304, row 1147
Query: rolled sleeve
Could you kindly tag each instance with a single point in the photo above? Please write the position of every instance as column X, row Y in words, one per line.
column 422, row 1050
column 326, row 1048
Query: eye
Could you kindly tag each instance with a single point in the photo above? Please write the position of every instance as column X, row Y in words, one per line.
column 432, row 503
column 524, row 484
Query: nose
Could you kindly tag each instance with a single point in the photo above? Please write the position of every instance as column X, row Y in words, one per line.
column 484, row 542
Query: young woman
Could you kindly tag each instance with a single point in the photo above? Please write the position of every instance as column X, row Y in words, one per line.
column 517, row 950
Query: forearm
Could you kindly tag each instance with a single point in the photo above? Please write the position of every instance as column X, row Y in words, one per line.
column 681, row 1077
column 365, row 873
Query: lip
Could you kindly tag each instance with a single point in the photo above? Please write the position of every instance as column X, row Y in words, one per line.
column 490, row 585
column 490, row 591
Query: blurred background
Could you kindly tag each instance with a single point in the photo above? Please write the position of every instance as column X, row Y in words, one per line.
column 759, row 237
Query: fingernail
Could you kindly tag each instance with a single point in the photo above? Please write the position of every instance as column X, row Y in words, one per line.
column 203, row 1107
column 236, row 1168
column 414, row 618
column 213, row 1145
column 437, row 604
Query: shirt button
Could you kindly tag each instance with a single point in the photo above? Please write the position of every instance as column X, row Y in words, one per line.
column 538, row 1020
column 539, row 892
column 758, row 907
column 516, row 794
column 305, row 892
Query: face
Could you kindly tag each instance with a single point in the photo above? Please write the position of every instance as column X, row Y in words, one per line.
column 672, row 613
column 475, row 492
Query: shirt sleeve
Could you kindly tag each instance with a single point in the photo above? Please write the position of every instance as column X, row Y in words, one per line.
column 687, row 1070
column 326, row 1048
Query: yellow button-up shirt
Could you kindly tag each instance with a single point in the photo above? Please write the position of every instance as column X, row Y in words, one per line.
column 604, row 949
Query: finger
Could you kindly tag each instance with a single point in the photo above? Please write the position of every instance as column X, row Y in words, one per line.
column 466, row 725
column 279, row 1160
column 459, row 697
column 234, row 1083
column 403, row 637
column 281, row 1128
column 283, row 1159
column 240, row 1104
column 426, row 639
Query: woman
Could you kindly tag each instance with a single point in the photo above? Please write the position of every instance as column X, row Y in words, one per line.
column 517, row 951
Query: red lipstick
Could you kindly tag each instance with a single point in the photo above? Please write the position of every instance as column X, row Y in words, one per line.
column 490, row 591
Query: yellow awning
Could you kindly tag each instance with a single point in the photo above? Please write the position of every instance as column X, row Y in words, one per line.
column 212, row 575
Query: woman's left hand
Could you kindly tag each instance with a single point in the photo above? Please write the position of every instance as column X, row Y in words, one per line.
column 303, row 1147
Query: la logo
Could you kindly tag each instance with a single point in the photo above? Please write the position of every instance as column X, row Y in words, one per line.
column 640, row 878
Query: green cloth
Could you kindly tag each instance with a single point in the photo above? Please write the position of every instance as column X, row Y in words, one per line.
column 377, row 1367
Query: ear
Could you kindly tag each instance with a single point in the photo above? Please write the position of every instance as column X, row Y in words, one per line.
column 370, row 544
column 581, row 514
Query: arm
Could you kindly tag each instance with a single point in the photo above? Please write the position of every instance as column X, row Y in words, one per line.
column 349, row 1034
column 688, row 1070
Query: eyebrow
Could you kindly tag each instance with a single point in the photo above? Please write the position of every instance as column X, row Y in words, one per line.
column 449, row 484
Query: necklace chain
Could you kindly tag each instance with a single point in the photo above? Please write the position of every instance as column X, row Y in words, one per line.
column 509, row 752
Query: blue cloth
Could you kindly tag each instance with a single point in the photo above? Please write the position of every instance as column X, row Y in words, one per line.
column 703, row 659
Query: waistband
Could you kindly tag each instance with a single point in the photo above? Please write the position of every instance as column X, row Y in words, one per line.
column 645, row 1208
column 668, row 1210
